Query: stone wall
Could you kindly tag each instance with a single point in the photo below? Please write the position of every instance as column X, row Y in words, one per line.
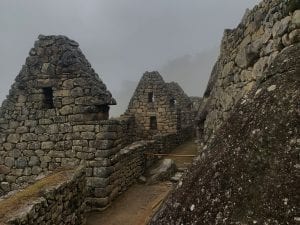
column 120, row 162
column 166, row 102
column 143, row 106
column 246, row 53
column 182, row 103
column 58, row 198
column 45, row 120
column 56, row 115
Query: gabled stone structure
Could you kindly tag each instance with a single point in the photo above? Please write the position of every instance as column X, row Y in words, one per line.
column 40, row 121
column 153, row 106
column 56, row 118
column 159, row 107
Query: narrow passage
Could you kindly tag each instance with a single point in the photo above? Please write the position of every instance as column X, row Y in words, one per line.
column 140, row 201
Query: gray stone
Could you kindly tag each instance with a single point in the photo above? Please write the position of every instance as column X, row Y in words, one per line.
column 47, row 145
column 161, row 171
column 33, row 161
column 296, row 19
column 280, row 27
column 13, row 138
column 9, row 161
column 5, row 186
column 21, row 162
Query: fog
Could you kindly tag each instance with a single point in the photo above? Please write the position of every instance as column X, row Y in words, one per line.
column 123, row 38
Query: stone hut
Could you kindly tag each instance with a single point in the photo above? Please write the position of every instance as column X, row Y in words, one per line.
column 153, row 107
column 56, row 118
column 159, row 107
column 40, row 121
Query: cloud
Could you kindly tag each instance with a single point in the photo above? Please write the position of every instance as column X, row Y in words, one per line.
column 121, row 38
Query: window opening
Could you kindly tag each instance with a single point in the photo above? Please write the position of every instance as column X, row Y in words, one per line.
column 48, row 100
column 153, row 123
column 150, row 97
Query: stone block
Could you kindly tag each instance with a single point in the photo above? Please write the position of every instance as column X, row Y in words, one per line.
column 21, row 162
column 47, row 145
column 34, row 161
column 9, row 161
column 97, row 182
column 13, row 138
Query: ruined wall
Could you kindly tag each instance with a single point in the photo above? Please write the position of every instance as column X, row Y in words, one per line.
column 121, row 161
column 56, row 115
column 182, row 103
column 59, row 198
column 143, row 108
column 44, row 121
column 246, row 53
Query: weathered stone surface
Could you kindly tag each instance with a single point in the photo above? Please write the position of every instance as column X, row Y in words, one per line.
column 252, row 48
column 296, row 19
column 158, row 106
column 162, row 171
column 242, row 176
column 250, row 151
column 59, row 199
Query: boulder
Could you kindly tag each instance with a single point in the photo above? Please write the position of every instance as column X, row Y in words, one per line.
column 162, row 171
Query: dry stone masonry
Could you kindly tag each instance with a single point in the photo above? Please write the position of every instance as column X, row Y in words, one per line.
column 159, row 106
column 49, row 117
column 246, row 53
column 56, row 116
column 58, row 198
column 248, row 170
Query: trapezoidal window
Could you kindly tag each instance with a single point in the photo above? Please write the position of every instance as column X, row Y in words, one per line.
column 150, row 97
column 153, row 123
column 48, row 97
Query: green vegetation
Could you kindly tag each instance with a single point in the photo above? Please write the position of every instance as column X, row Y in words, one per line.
column 34, row 191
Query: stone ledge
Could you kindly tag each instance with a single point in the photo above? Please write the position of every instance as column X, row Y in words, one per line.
column 32, row 204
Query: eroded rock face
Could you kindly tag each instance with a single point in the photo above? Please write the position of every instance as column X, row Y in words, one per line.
column 246, row 53
column 249, row 172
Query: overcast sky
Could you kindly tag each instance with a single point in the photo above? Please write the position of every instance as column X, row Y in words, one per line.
column 123, row 38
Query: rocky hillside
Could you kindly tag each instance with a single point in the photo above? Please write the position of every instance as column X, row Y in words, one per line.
column 249, row 172
column 246, row 52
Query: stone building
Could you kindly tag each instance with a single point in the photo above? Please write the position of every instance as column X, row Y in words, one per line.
column 40, row 121
column 159, row 107
column 56, row 117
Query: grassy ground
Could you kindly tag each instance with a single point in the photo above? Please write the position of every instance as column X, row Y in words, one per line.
column 21, row 198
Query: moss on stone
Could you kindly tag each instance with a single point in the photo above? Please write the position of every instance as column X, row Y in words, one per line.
column 12, row 203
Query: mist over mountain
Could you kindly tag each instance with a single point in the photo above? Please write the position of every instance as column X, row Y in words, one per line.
column 190, row 71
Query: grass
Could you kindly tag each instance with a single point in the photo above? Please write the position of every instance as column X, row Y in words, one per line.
column 12, row 203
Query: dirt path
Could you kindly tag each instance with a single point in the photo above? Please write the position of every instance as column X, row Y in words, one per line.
column 140, row 202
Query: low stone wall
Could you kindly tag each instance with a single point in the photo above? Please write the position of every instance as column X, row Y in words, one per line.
column 56, row 199
column 124, row 163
